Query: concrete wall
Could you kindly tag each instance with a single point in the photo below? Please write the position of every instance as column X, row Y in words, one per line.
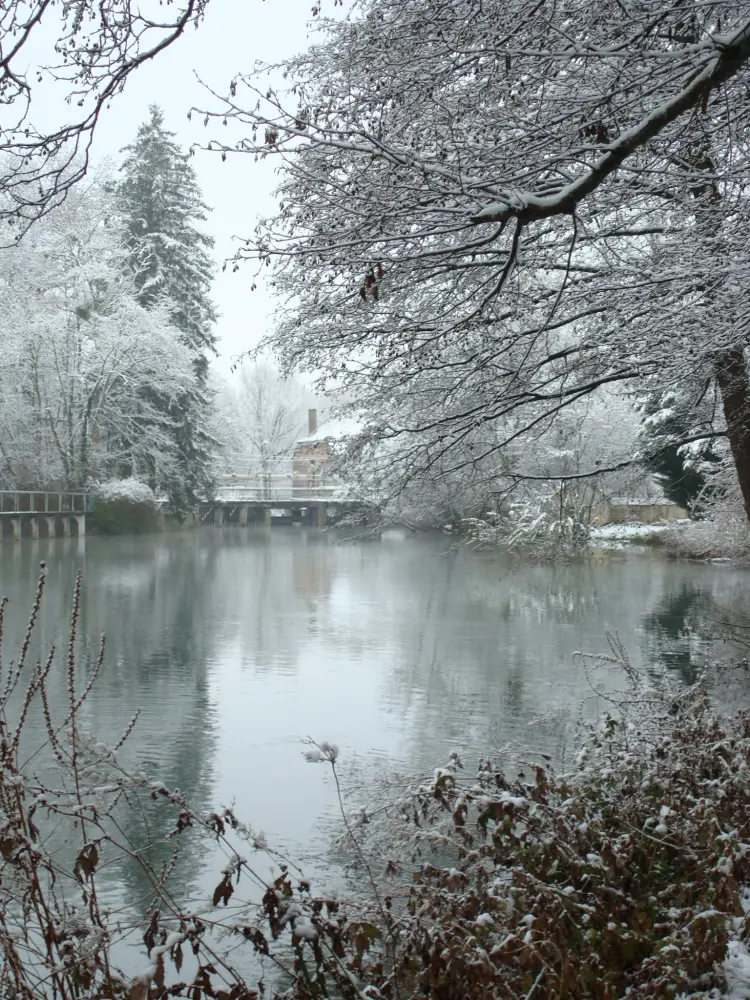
column 642, row 513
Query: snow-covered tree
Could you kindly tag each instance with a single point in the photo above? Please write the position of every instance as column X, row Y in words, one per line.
column 670, row 416
column 82, row 360
column 269, row 418
column 87, row 49
column 162, row 209
column 261, row 417
column 490, row 210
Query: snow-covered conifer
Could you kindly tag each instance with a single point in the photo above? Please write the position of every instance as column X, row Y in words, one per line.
column 169, row 258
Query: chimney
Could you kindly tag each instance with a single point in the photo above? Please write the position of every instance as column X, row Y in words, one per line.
column 312, row 421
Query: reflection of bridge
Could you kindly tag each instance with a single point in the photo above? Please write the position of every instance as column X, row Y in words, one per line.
column 246, row 499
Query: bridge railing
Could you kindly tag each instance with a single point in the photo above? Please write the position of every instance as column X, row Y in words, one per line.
column 277, row 488
column 30, row 502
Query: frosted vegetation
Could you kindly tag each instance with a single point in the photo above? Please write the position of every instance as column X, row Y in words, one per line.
column 514, row 262
column 129, row 489
column 511, row 243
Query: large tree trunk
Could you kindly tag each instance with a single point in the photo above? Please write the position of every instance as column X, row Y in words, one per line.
column 731, row 374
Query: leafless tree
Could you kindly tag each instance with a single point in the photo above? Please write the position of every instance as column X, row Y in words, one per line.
column 489, row 210
column 263, row 419
column 78, row 54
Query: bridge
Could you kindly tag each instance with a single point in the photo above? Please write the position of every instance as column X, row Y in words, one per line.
column 46, row 514
column 241, row 499
column 257, row 498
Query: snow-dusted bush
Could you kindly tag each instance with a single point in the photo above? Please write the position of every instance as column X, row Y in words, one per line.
column 721, row 530
column 623, row 876
column 123, row 506
column 543, row 524
column 130, row 490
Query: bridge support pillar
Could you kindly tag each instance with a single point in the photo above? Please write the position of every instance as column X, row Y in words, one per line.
column 81, row 523
column 51, row 527
column 16, row 525
column 242, row 516
column 34, row 527
column 65, row 522
column 321, row 515
column 218, row 516
column 267, row 517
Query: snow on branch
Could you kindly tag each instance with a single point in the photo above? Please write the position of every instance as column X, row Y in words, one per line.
column 730, row 53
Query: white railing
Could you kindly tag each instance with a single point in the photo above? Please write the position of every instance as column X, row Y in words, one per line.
column 277, row 488
column 32, row 502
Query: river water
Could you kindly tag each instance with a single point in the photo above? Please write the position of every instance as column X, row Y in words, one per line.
column 236, row 644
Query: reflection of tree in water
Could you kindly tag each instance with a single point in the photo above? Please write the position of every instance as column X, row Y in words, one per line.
column 154, row 605
column 676, row 632
column 464, row 649
column 486, row 644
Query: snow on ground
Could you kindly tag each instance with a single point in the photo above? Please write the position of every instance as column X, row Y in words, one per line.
column 737, row 962
column 632, row 531
column 737, row 970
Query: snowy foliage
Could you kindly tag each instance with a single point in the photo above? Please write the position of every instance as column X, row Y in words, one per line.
column 721, row 530
column 684, row 411
column 490, row 210
column 161, row 210
column 131, row 490
column 82, row 360
column 161, row 206
column 262, row 418
column 544, row 524
column 623, row 876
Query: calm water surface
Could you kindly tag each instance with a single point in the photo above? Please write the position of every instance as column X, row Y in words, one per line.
column 237, row 644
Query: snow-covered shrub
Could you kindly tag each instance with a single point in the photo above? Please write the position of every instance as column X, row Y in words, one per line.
column 131, row 490
column 721, row 529
column 623, row 876
column 123, row 506
column 543, row 524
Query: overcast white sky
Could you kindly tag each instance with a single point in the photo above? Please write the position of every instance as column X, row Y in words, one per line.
column 233, row 36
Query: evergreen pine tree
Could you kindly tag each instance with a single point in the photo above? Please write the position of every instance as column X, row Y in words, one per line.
column 668, row 417
column 161, row 206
